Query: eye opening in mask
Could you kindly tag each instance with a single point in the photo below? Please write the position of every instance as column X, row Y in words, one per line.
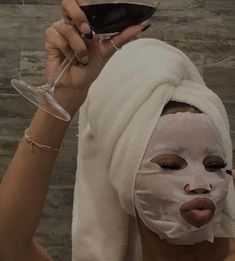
column 214, row 163
column 170, row 161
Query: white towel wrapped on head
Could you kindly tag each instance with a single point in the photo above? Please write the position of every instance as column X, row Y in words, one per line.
column 115, row 125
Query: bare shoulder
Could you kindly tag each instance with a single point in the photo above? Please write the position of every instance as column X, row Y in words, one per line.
column 231, row 252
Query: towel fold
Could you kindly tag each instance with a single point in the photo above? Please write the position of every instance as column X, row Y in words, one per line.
column 115, row 124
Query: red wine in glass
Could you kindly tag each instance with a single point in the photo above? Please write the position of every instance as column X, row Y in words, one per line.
column 110, row 18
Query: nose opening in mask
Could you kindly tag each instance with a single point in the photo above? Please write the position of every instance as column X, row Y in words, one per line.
column 198, row 185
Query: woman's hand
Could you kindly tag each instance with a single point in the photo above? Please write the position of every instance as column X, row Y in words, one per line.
column 68, row 37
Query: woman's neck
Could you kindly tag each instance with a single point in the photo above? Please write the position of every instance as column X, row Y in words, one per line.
column 155, row 249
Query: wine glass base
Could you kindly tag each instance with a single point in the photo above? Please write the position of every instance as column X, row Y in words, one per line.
column 41, row 98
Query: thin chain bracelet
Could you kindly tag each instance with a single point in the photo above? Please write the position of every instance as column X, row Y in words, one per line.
column 32, row 143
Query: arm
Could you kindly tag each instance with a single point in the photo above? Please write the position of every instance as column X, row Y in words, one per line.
column 24, row 187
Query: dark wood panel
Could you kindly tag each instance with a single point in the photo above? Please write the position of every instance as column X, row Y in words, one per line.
column 42, row 2
column 11, row 2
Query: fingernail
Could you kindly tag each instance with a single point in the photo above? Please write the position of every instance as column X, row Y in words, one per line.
column 85, row 28
column 84, row 60
column 229, row 172
column 89, row 36
column 146, row 27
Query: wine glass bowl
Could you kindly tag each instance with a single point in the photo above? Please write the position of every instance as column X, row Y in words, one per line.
column 108, row 18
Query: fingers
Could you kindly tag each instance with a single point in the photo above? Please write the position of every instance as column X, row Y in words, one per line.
column 73, row 39
column 231, row 172
column 57, row 48
column 122, row 38
column 63, row 40
column 73, row 13
column 56, row 44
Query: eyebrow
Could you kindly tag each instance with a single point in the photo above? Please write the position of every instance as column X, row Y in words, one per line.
column 214, row 150
column 177, row 149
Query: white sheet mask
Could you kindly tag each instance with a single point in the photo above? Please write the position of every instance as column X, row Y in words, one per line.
column 161, row 192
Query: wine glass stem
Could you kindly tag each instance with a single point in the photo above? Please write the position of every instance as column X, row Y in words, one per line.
column 63, row 67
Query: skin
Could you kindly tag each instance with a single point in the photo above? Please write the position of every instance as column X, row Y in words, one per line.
column 25, row 184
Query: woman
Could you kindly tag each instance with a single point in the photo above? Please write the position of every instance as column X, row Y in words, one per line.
column 168, row 172
column 28, row 188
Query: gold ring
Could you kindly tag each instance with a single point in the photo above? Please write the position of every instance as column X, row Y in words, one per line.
column 114, row 45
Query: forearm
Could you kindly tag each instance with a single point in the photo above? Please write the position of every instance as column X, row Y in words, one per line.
column 25, row 184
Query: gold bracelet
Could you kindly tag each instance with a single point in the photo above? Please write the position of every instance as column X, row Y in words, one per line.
column 32, row 143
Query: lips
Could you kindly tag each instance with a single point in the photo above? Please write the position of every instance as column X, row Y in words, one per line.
column 198, row 211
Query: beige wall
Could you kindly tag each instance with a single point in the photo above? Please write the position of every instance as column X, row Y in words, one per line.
column 204, row 29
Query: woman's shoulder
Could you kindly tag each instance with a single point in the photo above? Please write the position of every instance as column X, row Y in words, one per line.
column 231, row 250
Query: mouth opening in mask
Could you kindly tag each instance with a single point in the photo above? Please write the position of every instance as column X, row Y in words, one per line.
column 198, row 211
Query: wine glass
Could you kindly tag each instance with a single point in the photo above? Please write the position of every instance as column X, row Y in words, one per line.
column 107, row 18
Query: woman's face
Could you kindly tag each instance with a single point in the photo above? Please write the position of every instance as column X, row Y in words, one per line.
column 181, row 184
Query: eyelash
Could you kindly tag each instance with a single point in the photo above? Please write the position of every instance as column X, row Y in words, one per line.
column 215, row 166
column 170, row 166
column 211, row 168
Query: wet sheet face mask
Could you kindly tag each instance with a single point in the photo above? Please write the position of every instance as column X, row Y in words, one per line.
column 181, row 184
